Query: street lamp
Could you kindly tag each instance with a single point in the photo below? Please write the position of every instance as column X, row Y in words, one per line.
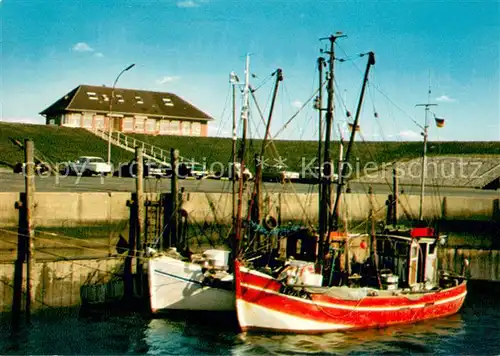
column 110, row 118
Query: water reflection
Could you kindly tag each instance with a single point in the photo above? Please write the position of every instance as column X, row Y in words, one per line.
column 406, row 338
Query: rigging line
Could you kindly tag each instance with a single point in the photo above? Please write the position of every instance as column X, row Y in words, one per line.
column 386, row 178
column 385, row 95
column 224, row 111
column 298, row 111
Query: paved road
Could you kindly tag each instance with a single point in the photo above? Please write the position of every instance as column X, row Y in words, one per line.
column 15, row 183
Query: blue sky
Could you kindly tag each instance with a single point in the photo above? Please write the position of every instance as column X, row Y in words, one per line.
column 189, row 47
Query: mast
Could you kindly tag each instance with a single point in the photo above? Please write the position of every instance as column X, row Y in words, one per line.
column 423, row 175
column 319, row 105
column 335, row 217
column 256, row 201
column 326, row 189
column 233, row 79
column 244, row 118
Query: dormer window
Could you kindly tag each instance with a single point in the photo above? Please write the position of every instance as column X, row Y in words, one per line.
column 168, row 102
column 92, row 96
column 119, row 97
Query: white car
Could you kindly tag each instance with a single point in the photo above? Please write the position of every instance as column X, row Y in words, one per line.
column 90, row 165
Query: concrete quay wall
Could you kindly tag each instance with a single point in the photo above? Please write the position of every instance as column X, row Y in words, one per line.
column 55, row 209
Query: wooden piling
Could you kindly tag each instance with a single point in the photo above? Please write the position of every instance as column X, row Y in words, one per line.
column 174, row 221
column 29, row 183
column 26, row 235
column 128, row 271
column 139, row 186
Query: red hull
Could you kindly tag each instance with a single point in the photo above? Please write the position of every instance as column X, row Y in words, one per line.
column 261, row 305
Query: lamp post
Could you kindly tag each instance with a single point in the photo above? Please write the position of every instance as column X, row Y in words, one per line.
column 110, row 118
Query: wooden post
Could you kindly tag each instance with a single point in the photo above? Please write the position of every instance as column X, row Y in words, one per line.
column 395, row 197
column 25, row 239
column 128, row 280
column 139, row 187
column 29, row 184
column 18, row 271
column 174, row 156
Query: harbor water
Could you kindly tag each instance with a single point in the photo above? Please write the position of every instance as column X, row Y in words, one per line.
column 475, row 330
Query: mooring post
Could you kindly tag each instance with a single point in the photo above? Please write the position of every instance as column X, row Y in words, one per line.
column 174, row 156
column 26, row 233
column 139, row 187
column 128, row 280
column 29, row 185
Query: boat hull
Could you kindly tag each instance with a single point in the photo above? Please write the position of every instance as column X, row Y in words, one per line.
column 260, row 305
column 178, row 285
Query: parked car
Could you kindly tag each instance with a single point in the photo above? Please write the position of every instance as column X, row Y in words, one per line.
column 41, row 168
column 192, row 169
column 279, row 174
column 89, row 165
column 151, row 169
column 247, row 175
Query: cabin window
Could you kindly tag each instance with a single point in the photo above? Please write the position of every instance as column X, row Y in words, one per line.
column 402, row 248
column 414, row 251
column 432, row 249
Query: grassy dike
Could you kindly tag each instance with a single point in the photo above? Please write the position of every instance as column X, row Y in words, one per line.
column 59, row 144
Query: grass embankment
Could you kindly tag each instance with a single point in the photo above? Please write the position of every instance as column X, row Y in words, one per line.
column 59, row 144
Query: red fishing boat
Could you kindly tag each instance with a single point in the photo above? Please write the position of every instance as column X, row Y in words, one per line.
column 333, row 280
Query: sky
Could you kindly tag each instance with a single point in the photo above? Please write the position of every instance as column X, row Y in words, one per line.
column 189, row 47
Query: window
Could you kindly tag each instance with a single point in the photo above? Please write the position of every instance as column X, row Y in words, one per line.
column 151, row 125
column 173, row 127
column 87, row 120
column 119, row 98
column 99, row 122
column 71, row 120
column 128, row 124
column 139, row 100
column 139, row 124
column 105, row 97
column 164, row 126
column 186, row 128
column 168, row 102
column 92, row 96
column 196, row 129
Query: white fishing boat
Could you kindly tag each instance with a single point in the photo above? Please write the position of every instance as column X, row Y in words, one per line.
column 202, row 284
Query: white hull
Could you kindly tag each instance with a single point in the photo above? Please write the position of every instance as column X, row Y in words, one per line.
column 177, row 285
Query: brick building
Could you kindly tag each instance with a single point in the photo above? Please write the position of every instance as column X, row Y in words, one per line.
column 131, row 111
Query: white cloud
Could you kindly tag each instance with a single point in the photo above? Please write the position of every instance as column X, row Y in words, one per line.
column 408, row 134
column 445, row 98
column 167, row 79
column 99, row 54
column 82, row 47
column 297, row 104
column 187, row 4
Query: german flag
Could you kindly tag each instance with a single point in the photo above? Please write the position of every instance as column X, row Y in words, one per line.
column 439, row 121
